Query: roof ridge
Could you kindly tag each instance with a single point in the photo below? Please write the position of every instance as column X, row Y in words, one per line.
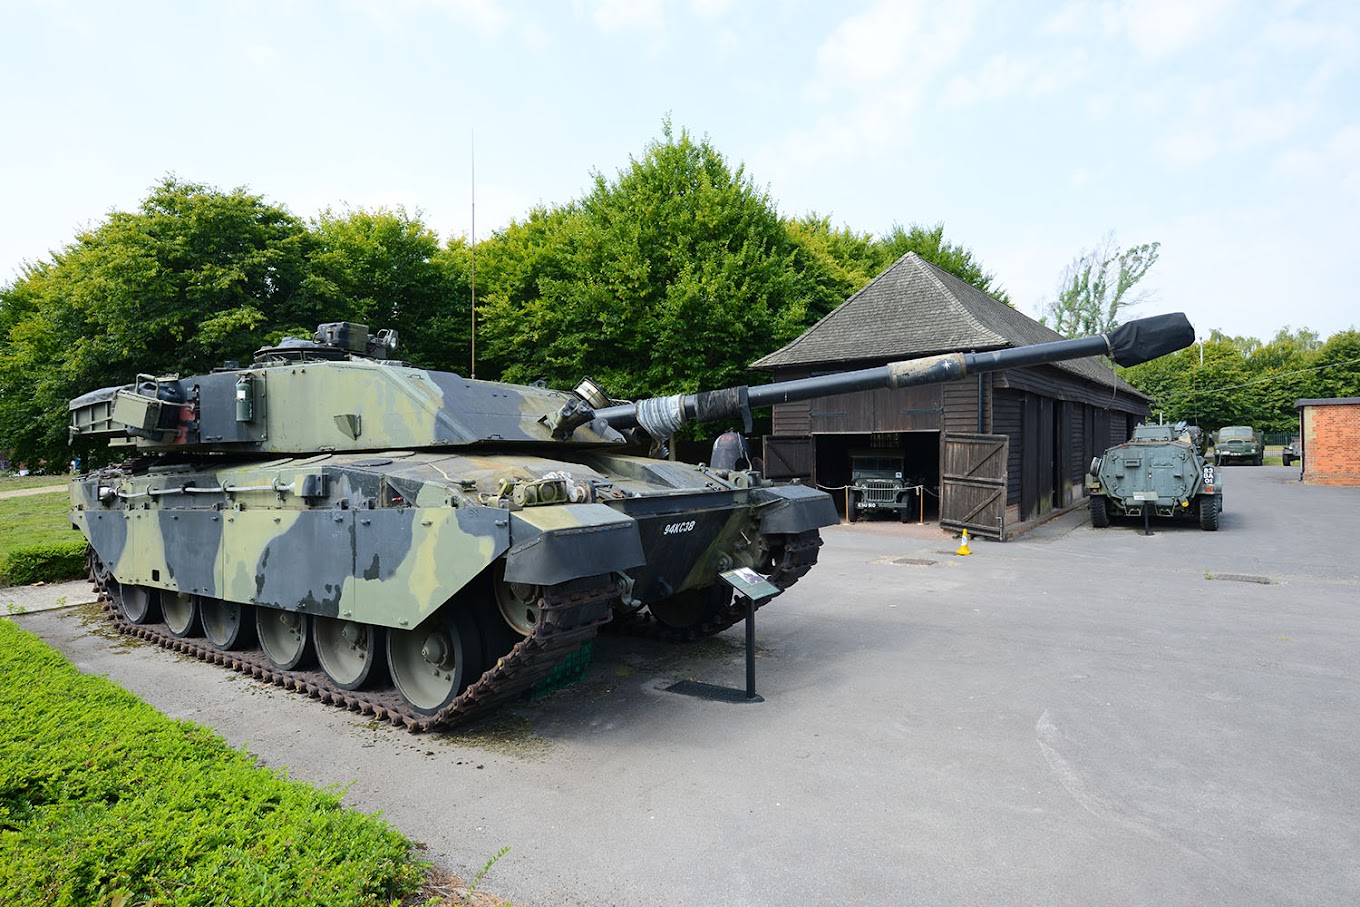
column 933, row 271
column 829, row 316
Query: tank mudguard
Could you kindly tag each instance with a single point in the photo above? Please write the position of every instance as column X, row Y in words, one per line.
column 551, row 545
column 788, row 509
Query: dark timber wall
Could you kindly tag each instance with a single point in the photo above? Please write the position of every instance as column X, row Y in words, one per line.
column 1056, row 423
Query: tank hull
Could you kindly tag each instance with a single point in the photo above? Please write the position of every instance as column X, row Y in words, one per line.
column 394, row 541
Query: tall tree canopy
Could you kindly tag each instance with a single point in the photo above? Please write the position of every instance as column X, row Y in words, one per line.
column 196, row 276
column 931, row 245
column 1227, row 380
column 385, row 269
column 1098, row 287
column 189, row 279
column 669, row 278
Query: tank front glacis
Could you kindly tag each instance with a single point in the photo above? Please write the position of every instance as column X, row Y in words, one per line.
column 1161, row 468
column 319, row 504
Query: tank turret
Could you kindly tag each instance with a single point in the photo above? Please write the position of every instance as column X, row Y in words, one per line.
column 421, row 546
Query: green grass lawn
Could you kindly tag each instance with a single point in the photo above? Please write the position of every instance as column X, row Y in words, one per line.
column 10, row 483
column 104, row 801
column 37, row 542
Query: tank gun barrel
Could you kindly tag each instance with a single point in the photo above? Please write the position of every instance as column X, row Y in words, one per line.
column 1132, row 343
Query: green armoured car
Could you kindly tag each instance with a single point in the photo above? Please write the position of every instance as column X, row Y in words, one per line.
column 1161, row 471
column 423, row 547
column 1239, row 444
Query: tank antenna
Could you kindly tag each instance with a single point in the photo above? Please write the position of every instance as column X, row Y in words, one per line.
column 473, row 279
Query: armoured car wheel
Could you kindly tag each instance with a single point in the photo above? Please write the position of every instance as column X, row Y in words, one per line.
column 227, row 625
column 1100, row 513
column 350, row 653
column 285, row 636
column 436, row 661
column 1208, row 512
column 181, row 612
column 693, row 606
column 139, row 604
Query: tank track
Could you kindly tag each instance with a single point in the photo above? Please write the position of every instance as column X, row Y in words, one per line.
column 797, row 556
column 570, row 618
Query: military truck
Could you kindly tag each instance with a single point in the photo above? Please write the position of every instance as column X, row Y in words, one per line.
column 1292, row 451
column 423, row 547
column 1239, row 444
column 878, row 484
column 1161, row 471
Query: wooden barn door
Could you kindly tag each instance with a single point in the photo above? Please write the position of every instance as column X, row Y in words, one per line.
column 790, row 458
column 973, row 484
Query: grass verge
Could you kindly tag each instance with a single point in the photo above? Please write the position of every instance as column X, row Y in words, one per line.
column 104, row 801
column 37, row 543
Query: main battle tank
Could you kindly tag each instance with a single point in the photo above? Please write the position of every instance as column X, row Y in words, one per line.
column 422, row 547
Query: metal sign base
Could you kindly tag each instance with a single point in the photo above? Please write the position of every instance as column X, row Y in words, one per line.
column 754, row 588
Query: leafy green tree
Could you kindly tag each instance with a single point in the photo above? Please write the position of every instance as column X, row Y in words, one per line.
column 667, row 279
column 385, row 269
column 1098, row 287
column 838, row 261
column 931, row 245
column 191, row 278
column 1336, row 367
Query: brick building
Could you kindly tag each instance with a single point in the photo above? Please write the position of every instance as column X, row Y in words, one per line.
column 1330, row 430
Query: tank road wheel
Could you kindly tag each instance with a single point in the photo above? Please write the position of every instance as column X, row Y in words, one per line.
column 350, row 653
column 1100, row 512
column 181, row 612
column 518, row 603
column 692, row 607
column 228, row 625
column 139, row 604
column 1208, row 512
column 285, row 636
column 432, row 664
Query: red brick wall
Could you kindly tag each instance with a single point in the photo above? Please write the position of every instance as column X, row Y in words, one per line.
column 1331, row 444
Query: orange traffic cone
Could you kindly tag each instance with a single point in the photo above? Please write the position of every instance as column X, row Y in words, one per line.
column 963, row 545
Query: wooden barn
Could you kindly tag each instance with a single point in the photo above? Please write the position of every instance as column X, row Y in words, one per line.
column 990, row 453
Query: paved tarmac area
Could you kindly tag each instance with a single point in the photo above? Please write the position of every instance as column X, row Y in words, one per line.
column 1077, row 717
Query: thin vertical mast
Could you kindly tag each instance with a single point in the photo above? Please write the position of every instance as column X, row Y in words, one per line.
column 473, row 373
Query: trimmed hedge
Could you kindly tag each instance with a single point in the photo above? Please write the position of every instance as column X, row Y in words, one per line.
column 104, row 801
column 48, row 562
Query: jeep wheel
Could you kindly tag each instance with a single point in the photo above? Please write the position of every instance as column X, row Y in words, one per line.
column 1100, row 513
column 1208, row 512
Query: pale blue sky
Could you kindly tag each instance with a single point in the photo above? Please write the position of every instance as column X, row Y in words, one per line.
column 1228, row 131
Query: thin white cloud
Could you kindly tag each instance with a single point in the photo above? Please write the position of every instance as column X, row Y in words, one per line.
column 1186, row 150
column 710, row 10
column 1003, row 76
column 612, row 16
column 873, row 72
column 891, row 40
column 1158, row 28
column 485, row 16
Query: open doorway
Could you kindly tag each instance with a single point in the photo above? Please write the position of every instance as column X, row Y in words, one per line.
column 885, row 475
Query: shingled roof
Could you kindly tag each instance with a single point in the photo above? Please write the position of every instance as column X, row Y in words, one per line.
column 915, row 309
